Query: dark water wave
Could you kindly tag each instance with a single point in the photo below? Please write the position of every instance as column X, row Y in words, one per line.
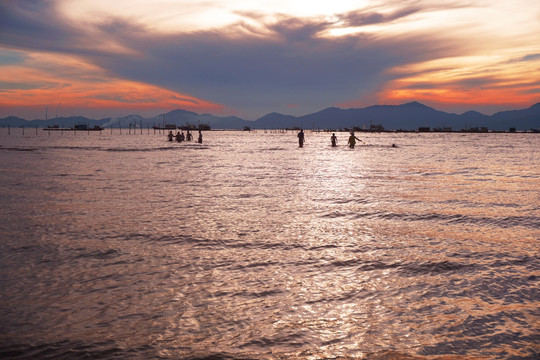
column 171, row 147
column 175, row 147
column 531, row 222
column 409, row 269
column 17, row 148
column 109, row 350
column 75, row 350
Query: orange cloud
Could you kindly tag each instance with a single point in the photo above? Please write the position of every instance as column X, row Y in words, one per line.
column 116, row 94
column 48, row 80
column 450, row 96
column 467, row 81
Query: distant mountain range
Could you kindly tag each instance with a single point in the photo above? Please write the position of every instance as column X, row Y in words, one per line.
column 410, row 116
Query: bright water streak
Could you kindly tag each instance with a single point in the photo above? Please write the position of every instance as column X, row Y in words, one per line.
column 246, row 246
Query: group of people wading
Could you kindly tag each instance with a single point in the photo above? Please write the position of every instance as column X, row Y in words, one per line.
column 333, row 139
column 179, row 137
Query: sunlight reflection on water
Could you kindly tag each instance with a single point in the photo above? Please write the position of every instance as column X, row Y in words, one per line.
column 247, row 246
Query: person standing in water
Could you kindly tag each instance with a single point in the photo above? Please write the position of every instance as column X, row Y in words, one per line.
column 334, row 140
column 301, row 138
column 200, row 137
column 352, row 140
column 170, row 136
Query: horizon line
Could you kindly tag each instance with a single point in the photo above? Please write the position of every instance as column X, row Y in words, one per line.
column 269, row 113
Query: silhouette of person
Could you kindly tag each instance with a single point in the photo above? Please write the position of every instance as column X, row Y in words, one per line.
column 352, row 140
column 180, row 136
column 301, row 138
column 333, row 138
column 189, row 136
column 200, row 137
column 170, row 136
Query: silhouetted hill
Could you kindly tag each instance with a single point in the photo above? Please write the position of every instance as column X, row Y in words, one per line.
column 276, row 121
column 409, row 116
column 520, row 119
column 60, row 121
column 185, row 118
column 14, row 121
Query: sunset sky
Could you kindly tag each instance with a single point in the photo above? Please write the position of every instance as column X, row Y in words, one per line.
column 102, row 58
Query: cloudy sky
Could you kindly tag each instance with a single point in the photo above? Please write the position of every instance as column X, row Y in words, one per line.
column 102, row 58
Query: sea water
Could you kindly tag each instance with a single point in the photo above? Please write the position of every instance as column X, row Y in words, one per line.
column 123, row 245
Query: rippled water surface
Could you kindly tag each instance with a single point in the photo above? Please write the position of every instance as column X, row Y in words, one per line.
column 246, row 246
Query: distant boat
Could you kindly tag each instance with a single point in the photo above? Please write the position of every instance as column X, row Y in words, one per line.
column 165, row 127
column 78, row 127
column 85, row 127
column 247, row 128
